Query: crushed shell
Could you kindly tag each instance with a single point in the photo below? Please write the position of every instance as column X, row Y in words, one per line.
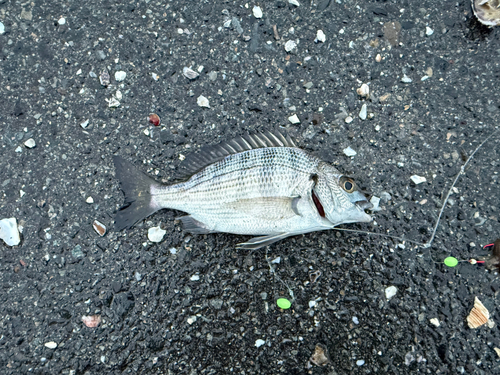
column 320, row 356
column 487, row 11
column 478, row 316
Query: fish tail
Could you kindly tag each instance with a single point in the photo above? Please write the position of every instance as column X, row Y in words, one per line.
column 139, row 203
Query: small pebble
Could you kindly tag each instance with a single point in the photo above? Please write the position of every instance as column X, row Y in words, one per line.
column 30, row 143
column 137, row 276
column 99, row 227
column 294, row 119
column 89, row 200
column 191, row 319
column 155, row 234
column 435, row 322
column 173, row 250
column 428, row 31
column 84, row 124
column 259, row 343
column 378, row 58
column 355, row 320
column 91, row 321
column 294, row 2
column 276, row 260
column 154, row 119
column 257, row 11
column 363, row 113
column 203, row 102
column 360, row 362
column 312, row 304
column 120, row 75
column 364, row 90
column 417, row 179
column 348, row 119
column 61, row 21
column 390, row 292
column 2, row 28
column 290, row 45
column 189, row 73
column 348, row 151
column 320, row 36
column 195, row 278
column 9, row 231
column 406, row 79
column 50, row 345
column 113, row 103
column 375, row 201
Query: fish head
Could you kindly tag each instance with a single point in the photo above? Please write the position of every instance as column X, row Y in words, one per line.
column 337, row 197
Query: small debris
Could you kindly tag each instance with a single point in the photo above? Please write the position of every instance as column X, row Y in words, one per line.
column 290, row 45
column 30, row 143
column 418, row 179
column 313, row 276
column 259, row 343
column 378, row 58
column 487, row 11
column 92, row 321
column 155, row 234
column 155, row 76
column 320, row 356
column 355, row 320
column 99, row 227
column 195, row 278
column 294, row 119
column 191, row 319
column 137, row 276
column 77, row 252
column 257, row 11
column 450, row 262
column 428, row 31
column 390, row 292
column 113, row 103
column 9, row 232
column 497, row 351
column 61, row 21
column 364, row 91
column 50, row 345
column 104, row 78
column 120, row 75
column 276, row 260
column 360, row 362
column 89, row 200
column 348, row 119
column 348, row 151
column 435, row 322
column 203, row 102
column 320, row 36
column 478, row 316
column 84, row 124
column 154, row 119
column 294, row 2
column 362, row 114
column 375, row 201
column 406, row 79
column 190, row 73
column 173, row 250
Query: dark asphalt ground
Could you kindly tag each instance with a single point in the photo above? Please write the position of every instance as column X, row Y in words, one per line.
column 202, row 309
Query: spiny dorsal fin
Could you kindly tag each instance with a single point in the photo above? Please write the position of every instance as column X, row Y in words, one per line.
column 211, row 154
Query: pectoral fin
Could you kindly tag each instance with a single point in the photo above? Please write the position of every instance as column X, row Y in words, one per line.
column 258, row 242
column 267, row 208
column 194, row 226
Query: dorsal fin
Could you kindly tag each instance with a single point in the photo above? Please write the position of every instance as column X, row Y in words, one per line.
column 211, row 154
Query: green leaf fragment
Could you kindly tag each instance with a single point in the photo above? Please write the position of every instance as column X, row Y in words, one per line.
column 451, row 262
column 283, row 303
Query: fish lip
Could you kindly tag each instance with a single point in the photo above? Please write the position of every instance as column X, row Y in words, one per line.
column 364, row 205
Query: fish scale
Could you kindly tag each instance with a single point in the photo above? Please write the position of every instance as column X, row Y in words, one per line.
column 254, row 185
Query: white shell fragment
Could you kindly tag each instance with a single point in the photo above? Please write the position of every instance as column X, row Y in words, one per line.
column 497, row 351
column 417, row 179
column 364, row 90
column 30, row 143
column 406, row 79
column 84, row 124
column 363, row 113
column 259, row 343
column 320, row 36
column 50, row 345
column 435, row 322
column 294, row 2
column 189, row 73
column 203, row 102
column 2, row 28
column 348, row 151
column 89, row 200
column 257, row 11
column 479, row 315
column 120, row 75
column 294, row 119
column 9, row 232
column 375, row 201
column 428, row 31
column 155, row 234
column 390, row 292
column 348, row 119
column 487, row 11
column 290, row 45
column 99, row 227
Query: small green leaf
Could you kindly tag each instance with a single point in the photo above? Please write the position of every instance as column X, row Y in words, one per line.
column 283, row 303
column 451, row 262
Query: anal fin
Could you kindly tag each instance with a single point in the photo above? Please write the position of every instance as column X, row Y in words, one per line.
column 258, row 242
column 194, row 226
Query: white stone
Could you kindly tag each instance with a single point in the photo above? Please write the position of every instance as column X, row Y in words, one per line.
column 84, row 124
column 89, row 200
column 390, row 292
column 375, row 201
column 203, row 102
column 189, row 73
column 118, row 95
column 349, row 152
column 290, row 45
column 155, row 234
column 364, row 90
column 294, row 2
column 113, row 103
column 191, row 319
column 120, row 75
column 294, row 119
column 435, row 322
column 406, row 79
column 195, row 278
column 320, row 36
column 30, row 143
column 51, row 345
column 276, row 260
column 259, row 343
column 257, row 12
column 312, row 304
column 418, row 179
column 2, row 28
column 348, row 119
column 428, row 31
column 9, row 232
column 62, row 21
column 362, row 113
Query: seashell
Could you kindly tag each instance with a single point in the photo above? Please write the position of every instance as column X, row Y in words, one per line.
column 478, row 316
column 487, row 11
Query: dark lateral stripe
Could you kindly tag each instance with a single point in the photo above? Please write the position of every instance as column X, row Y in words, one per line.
column 318, row 204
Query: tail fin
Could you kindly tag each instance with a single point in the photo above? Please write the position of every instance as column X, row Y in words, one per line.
column 137, row 189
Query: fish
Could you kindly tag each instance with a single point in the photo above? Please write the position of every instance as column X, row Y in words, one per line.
column 261, row 185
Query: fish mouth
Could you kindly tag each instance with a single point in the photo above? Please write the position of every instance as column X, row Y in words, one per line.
column 364, row 205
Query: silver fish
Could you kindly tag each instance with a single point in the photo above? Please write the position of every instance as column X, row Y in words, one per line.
column 255, row 185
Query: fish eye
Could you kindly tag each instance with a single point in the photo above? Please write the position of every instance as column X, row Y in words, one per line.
column 347, row 184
